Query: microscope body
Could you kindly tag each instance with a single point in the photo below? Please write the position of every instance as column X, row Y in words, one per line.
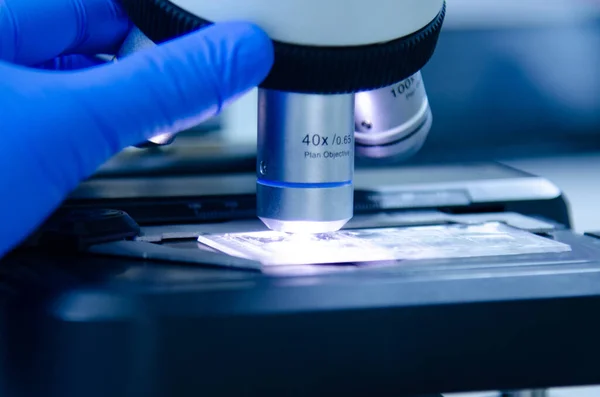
column 346, row 81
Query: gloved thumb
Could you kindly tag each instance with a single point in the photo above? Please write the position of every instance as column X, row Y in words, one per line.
column 176, row 85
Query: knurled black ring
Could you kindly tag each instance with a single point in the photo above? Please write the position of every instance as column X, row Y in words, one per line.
column 308, row 69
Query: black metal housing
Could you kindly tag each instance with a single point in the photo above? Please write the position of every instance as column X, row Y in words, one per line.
column 308, row 69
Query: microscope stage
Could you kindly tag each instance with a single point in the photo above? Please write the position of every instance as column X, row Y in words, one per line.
column 436, row 285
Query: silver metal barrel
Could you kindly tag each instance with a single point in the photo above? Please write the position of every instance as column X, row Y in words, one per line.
column 305, row 161
column 392, row 123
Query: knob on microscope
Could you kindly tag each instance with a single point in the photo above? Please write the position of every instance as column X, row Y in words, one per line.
column 346, row 75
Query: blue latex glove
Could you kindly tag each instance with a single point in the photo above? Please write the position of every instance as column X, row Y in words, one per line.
column 62, row 114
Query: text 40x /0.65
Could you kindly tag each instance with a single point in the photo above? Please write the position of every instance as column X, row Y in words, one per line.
column 321, row 140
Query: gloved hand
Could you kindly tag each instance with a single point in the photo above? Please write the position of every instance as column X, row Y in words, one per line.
column 63, row 114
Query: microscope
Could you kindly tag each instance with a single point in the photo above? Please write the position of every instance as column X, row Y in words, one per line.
column 448, row 277
column 346, row 81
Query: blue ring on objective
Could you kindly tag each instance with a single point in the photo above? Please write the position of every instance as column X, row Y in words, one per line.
column 295, row 185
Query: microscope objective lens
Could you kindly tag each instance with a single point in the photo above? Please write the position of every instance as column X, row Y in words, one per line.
column 393, row 122
column 305, row 161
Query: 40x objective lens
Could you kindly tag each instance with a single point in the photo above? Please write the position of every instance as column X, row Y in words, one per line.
column 305, row 161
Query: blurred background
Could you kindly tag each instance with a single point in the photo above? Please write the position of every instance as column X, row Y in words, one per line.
column 512, row 80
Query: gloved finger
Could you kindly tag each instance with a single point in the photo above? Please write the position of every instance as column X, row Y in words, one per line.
column 58, row 128
column 36, row 31
column 176, row 85
column 71, row 62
